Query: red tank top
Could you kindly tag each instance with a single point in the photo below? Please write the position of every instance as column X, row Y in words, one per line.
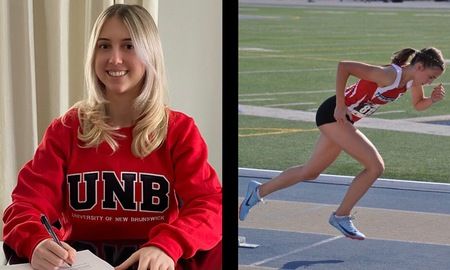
column 364, row 97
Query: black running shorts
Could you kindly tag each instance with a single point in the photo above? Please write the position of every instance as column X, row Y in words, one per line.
column 325, row 112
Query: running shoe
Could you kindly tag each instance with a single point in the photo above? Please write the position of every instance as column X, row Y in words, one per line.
column 250, row 200
column 345, row 225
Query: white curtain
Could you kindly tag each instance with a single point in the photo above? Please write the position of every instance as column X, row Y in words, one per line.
column 42, row 49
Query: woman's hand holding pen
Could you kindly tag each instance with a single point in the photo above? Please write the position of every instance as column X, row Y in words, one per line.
column 49, row 255
column 151, row 258
column 438, row 93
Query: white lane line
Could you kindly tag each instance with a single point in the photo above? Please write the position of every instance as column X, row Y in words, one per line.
column 388, row 112
column 291, row 104
column 286, row 93
column 256, row 99
column 297, row 250
column 266, row 173
column 245, row 267
column 445, row 117
column 431, row 15
column 247, row 49
column 370, row 122
column 382, row 13
column 285, row 70
column 329, row 12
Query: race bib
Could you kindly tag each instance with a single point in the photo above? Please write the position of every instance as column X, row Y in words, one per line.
column 364, row 109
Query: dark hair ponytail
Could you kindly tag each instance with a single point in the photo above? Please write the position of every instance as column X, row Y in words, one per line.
column 429, row 57
column 401, row 57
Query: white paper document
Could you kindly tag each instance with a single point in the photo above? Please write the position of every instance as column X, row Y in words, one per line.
column 85, row 260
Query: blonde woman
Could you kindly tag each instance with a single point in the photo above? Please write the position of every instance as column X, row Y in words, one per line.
column 118, row 164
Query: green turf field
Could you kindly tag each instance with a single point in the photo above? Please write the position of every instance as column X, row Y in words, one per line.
column 288, row 58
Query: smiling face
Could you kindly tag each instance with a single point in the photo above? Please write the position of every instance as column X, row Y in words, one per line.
column 425, row 75
column 116, row 63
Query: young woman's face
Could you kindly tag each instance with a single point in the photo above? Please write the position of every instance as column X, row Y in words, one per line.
column 117, row 65
column 425, row 75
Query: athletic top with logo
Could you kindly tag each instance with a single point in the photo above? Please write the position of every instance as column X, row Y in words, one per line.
column 364, row 97
column 172, row 197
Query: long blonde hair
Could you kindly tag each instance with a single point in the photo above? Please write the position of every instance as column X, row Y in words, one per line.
column 150, row 130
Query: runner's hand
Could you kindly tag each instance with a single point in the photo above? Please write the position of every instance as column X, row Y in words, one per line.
column 339, row 114
column 438, row 93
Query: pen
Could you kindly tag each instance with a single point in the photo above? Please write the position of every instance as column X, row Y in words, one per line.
column 50, row 231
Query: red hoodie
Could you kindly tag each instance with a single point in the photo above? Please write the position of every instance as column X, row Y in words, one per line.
column 99, row 194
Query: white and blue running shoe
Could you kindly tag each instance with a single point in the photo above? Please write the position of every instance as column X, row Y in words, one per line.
column 250, row 200
column 345, row 225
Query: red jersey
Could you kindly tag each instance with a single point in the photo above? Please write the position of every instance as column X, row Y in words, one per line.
column 98, row 194
column 364, row 97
